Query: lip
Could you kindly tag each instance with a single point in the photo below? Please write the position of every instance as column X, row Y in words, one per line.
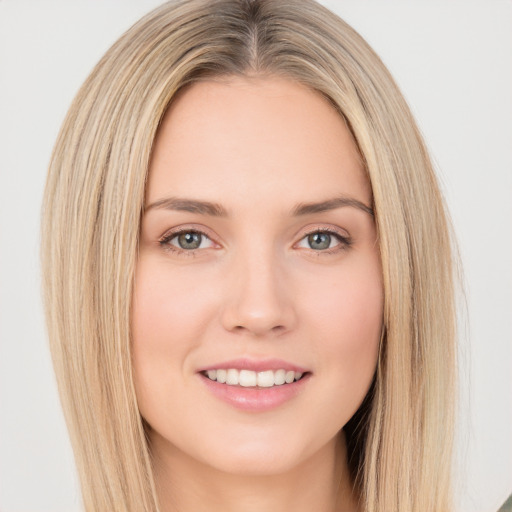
column 256, row 365
column 255, row 399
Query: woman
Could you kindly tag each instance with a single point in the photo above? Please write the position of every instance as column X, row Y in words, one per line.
column 248, row 271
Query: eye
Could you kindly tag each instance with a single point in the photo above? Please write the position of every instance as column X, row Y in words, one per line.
column 324, row 241
column 188, row 240
column 319, row 241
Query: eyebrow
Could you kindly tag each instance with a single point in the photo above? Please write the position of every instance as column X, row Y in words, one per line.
column 216, row 210
column 331, row 204
column 188, row 205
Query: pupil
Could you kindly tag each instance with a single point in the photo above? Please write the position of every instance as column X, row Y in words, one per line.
column 319, row 241
column 189, row 240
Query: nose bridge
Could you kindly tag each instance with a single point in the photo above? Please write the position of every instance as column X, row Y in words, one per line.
column 258, row 301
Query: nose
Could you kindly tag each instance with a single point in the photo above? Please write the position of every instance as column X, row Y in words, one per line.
column 258, row 300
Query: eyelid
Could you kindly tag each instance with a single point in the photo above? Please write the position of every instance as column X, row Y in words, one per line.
column 344, row 239
column 170, row 234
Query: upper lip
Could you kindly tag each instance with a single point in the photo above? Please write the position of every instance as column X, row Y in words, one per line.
column 256, row 365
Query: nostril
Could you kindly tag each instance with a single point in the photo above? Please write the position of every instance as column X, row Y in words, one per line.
column 258, row 314
column 278, row 329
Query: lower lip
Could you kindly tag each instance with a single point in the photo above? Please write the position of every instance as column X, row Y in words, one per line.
column 255, row 399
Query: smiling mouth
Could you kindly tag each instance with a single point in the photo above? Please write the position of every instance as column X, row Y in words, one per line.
column 252, row 379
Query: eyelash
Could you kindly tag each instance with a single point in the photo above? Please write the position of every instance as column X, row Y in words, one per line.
column 345, row 242
column 165, row 241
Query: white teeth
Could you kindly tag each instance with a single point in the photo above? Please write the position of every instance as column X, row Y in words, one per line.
column 266, row 379
column 280, row 377
column 232, row 377
column 248, row 378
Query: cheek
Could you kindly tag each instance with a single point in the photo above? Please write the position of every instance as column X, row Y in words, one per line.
column 169, row 309
column 348, row 305
column 170, row 314
column 348, row 319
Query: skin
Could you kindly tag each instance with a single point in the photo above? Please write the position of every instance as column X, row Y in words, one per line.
column 255, row 288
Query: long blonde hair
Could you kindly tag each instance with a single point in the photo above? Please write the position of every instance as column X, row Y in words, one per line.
column 400, row 441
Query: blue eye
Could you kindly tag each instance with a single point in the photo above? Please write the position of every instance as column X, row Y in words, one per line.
column 186, row 241
column 319, row 241
column 324, row 241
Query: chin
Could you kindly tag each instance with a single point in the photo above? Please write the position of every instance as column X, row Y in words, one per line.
column 260, row 453
column 256, row 462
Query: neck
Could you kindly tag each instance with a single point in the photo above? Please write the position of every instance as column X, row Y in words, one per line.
column 320, row 483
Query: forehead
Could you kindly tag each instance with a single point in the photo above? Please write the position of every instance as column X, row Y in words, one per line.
column 260, row 138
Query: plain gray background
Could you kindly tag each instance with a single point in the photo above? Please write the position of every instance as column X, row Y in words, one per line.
column 452, row 59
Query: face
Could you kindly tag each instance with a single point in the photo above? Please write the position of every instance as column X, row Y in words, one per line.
column 258, row 300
